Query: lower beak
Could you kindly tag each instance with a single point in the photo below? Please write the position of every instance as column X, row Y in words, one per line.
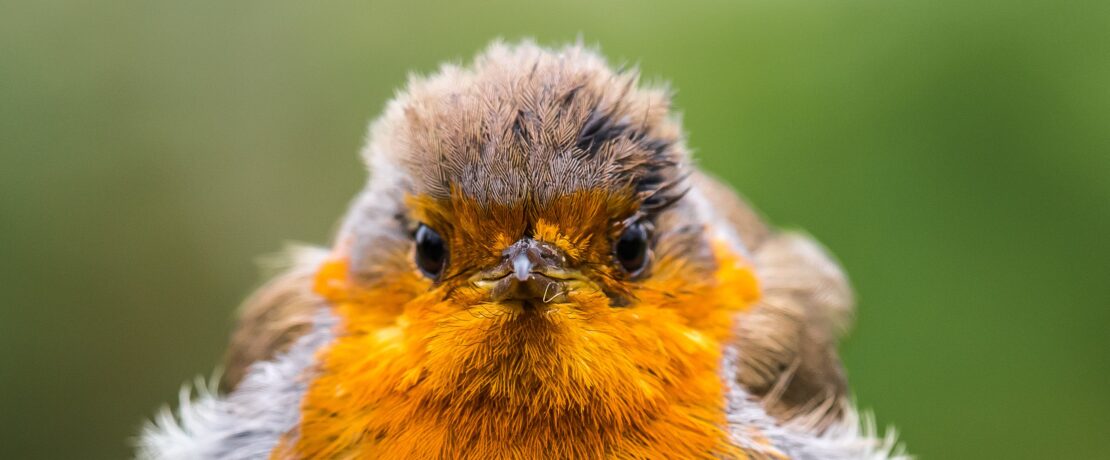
column 535, row 288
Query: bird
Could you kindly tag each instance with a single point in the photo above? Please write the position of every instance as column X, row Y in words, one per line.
column 536, row 268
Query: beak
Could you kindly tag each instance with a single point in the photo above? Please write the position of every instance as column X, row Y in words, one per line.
column 530, row 271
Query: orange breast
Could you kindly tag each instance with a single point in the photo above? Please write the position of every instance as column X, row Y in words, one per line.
column 421, row 377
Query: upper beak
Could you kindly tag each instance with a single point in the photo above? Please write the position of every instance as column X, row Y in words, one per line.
column 530, row 271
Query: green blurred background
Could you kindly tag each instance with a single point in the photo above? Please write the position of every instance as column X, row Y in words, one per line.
column 955, row 155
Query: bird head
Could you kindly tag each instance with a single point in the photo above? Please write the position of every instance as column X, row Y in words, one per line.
column 527, row 235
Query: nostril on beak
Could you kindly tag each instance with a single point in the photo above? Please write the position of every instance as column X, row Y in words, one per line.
column 550, row 255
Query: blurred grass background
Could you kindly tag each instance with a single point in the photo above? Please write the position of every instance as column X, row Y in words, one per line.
column 955, row 155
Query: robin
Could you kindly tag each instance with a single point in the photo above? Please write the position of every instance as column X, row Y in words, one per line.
column 535, row 269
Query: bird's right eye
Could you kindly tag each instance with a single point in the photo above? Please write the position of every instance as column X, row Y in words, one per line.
column 431, row 251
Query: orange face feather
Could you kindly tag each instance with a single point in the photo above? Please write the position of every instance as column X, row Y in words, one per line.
column 425, row 370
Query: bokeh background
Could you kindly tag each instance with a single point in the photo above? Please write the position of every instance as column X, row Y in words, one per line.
column 955, row 155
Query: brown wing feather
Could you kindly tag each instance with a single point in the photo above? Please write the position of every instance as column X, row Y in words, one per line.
column 274, row 317
column 788, row 341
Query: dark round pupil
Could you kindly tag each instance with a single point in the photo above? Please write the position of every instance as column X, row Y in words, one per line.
column 431, row 251
column 631, row 250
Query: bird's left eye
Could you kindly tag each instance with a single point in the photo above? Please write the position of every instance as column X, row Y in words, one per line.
column 431, row 251
column 631, row 249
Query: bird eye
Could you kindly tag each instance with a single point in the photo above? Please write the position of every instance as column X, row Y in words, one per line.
column 431, row 251
column 631, row 250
